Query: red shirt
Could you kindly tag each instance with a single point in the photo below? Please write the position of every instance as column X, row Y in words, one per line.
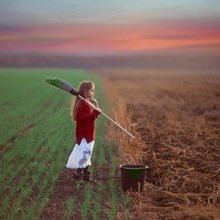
column 85, row 122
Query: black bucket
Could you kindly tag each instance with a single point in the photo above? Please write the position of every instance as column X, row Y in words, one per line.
column 133, row 177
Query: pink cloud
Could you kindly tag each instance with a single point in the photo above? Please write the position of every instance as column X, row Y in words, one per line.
column 83, row 38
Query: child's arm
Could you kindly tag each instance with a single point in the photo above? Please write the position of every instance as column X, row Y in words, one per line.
column 85, row 114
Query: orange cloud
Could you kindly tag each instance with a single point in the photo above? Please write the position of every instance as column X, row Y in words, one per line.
column 109, row 39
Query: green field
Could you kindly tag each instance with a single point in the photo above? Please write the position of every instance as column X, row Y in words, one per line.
column 37, row 136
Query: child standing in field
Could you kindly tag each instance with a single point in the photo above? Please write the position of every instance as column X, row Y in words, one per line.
column 85, row 117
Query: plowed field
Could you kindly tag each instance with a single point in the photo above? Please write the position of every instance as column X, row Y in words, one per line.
column 177, row 114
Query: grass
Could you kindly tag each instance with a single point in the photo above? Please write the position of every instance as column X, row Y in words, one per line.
column 37, row 137
column 35, row 125
column 70, row 207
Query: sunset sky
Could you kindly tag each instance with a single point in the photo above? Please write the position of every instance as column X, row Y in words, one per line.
column 99, row 27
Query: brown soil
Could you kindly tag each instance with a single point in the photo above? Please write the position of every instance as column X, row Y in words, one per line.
column 177, row 115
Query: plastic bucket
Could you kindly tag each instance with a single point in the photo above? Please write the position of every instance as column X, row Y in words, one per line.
column 133, row 176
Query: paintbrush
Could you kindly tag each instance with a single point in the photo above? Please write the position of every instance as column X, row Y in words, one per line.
column 59, row 83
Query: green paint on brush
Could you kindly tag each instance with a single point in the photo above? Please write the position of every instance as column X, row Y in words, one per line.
column 134, row 174
column 54, row 81
column 61, row 84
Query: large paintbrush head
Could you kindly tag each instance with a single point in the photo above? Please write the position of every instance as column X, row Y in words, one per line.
column 61, row 84
column 54, row 81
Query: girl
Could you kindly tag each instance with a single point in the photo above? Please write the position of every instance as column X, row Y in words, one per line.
column 84, row 116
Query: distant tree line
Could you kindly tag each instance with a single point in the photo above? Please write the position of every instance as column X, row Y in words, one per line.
column 133, row 61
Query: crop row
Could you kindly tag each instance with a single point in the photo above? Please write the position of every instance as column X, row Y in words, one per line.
column 37, row 136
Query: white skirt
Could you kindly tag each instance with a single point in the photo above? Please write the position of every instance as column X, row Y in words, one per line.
column 81, row 155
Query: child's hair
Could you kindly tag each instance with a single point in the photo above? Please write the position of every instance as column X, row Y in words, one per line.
column 84, row 87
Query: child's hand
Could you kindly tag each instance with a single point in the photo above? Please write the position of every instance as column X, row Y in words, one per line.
column 94, row 102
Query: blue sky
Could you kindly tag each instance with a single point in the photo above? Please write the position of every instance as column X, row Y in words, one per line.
column 26, row 12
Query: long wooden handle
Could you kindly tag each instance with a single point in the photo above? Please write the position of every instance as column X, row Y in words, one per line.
column 107, row 117
column 117, row 125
